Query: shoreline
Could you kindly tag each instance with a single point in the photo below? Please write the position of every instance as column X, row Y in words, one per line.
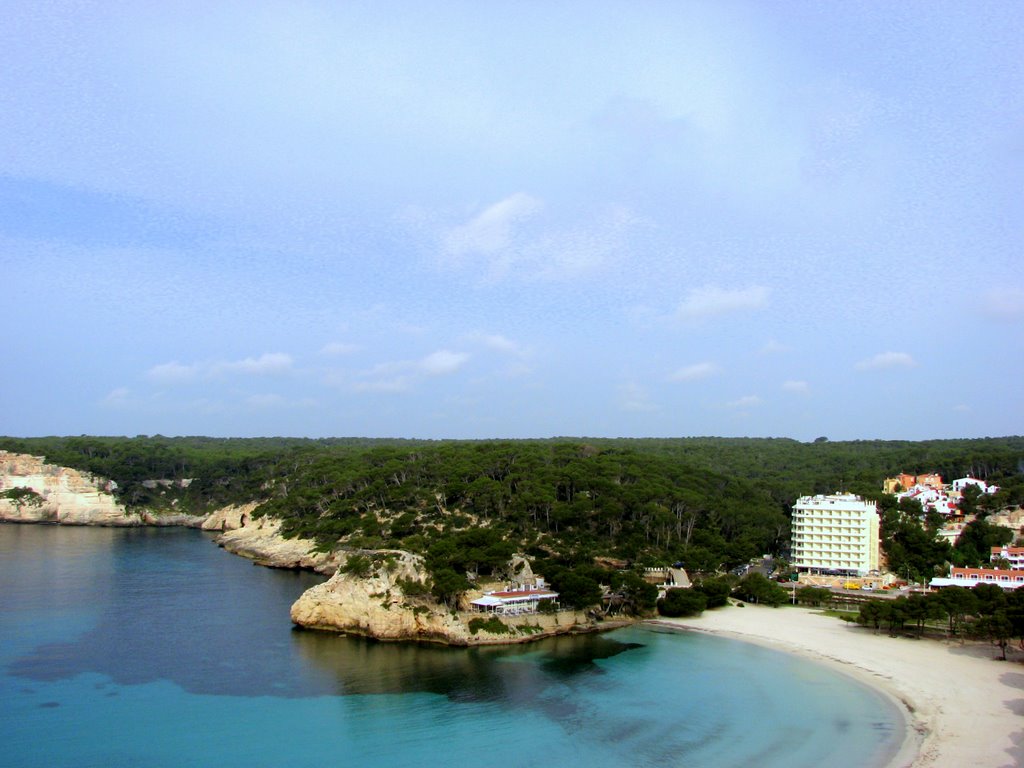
column 960, row 706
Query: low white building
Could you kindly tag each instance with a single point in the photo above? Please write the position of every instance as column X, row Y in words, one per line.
column 835, row 534
column 972, row 577
column 517, row 599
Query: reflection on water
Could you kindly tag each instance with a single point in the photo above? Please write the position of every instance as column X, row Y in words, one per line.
column 360, row 666
column 170, row 606
column 138, row 636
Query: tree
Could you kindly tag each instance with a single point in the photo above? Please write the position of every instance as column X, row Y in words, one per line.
column 638, row 595
column 997, row 628
column 922, row 608
column 974, row 545
column 716, row 590
column 1015, row 614
column 576, row 590
column 814, row 595
column 448, row 586
column 757, row 588
column 682, row 602
column 871, row 613
column 957, row 603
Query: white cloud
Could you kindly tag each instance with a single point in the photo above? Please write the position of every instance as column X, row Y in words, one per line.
column 173, row 372
column 747, row 401
column 392, row 385
column 635, row 398
column 121, row 397
column 797, row 387
column 267, row 364
column 695, row 372
column 884, row 360
column 512, row 239
column 491, row 230
column 773, row 347
column 442, row 362
column 499, row 343
column 266, row 401
column 1004, row 303
column 402, row 375
column 338, row 349
column 709, row 301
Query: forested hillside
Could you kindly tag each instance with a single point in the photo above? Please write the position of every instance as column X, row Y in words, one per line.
column 709, row 502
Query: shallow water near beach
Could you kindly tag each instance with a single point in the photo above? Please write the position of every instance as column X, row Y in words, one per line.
column 152, row 647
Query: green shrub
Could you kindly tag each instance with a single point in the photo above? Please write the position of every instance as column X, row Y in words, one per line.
column 682, row 602
column 492, row 625
column 359, row 566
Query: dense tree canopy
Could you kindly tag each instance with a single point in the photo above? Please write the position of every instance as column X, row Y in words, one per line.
column 466, row 505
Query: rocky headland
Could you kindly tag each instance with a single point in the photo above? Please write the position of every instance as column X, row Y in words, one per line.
column 386, row 598
column 32, row 491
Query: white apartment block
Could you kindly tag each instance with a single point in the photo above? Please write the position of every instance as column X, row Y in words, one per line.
column 835, row 533
column 1013, row 555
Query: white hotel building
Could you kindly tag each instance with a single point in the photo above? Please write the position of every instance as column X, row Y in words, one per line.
column 837, row 533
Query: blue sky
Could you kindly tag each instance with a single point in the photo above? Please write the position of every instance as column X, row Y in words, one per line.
column 465, row 219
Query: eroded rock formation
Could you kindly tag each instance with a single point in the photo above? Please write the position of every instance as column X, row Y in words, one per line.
column 59, row 494
column 379, row 605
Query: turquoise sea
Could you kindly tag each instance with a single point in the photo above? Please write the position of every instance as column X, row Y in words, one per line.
column 152, row 647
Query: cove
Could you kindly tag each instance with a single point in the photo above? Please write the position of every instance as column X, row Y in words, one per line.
column 152, row 647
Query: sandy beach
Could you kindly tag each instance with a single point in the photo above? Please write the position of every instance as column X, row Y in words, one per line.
column 963, row 707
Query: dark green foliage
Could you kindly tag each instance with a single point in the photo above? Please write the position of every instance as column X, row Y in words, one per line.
column 576, row 588
column 448, row 585
column 973, row 548
column 813, row 595
column 638, row 595
column 359, row 566
column 957, row 604
column 985, row 612
column 682, row 602
column 757, row 588
column 413, row 588
column 547, row 607
column 912, row 550
column 716, row 590
column 466, row 505
column 493, row 625
column 22, row 496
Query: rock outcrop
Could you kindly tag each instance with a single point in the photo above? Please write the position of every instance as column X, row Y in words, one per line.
column 378, row 605
column 260, row 540
column 58, row 494
column 385, row 598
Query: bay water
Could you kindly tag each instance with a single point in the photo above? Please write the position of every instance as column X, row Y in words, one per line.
column 152, row 647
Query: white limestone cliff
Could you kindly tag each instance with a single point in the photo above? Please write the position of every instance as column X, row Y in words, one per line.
column 260, row 540
column 376, row 605
column 63, row 495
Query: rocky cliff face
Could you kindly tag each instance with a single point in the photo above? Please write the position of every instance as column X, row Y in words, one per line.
column 60, row 494
column 377, row 605
column 260, row 540
column 387, row 600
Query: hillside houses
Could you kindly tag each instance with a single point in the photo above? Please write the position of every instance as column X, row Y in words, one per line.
column 932, row 493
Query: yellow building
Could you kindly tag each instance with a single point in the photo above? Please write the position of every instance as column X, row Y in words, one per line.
column 835, row 534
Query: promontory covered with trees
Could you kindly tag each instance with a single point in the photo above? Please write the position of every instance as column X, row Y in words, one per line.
column 588, row 514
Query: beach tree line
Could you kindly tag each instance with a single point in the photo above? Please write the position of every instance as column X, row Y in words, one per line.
column 985, row 612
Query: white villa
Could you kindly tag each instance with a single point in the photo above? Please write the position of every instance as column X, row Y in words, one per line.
column 517, row 599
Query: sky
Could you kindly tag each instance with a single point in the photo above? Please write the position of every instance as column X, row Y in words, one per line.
column 512, row 220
